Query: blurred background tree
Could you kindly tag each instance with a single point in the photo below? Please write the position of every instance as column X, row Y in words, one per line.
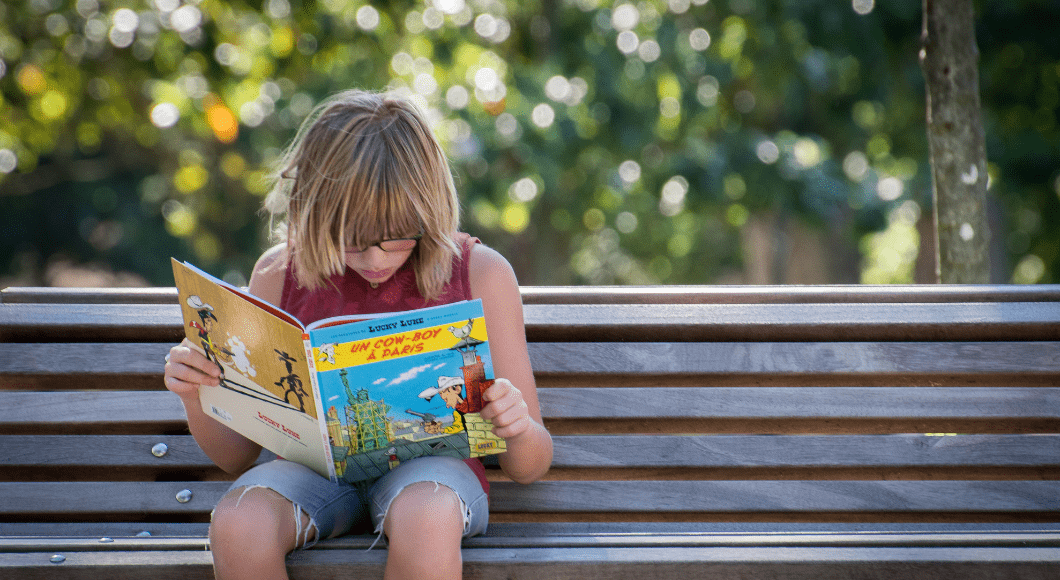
column 594, row 142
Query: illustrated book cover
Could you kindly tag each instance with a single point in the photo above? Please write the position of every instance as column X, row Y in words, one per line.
column 350, row 397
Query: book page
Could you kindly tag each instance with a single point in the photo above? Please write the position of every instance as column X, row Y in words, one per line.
column 243, row 294
column 265, row 393
column 400, row 386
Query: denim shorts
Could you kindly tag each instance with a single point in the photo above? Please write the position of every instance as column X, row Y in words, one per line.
column 339, row 508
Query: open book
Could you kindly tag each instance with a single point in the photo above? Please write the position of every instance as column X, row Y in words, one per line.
column 350, row 397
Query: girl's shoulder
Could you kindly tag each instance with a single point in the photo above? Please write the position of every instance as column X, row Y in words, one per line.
column 490, row 272
column 270, row 271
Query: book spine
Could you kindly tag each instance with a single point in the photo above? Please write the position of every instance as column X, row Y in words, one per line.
column 322, row 414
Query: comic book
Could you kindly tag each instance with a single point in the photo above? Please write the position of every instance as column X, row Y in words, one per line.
column 350, row 397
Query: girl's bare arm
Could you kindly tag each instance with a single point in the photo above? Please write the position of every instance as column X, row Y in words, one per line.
column 512, row 400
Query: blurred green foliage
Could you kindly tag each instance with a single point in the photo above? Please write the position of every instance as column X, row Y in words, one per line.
column 593, row 142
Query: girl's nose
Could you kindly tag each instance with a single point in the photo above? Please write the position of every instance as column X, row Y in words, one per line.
column 374, row 256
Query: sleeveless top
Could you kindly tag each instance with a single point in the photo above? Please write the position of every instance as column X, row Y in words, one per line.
column 349, row 293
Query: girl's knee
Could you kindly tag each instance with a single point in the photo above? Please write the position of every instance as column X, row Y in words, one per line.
column 268, row 515
column 426, row 509
column 424, row 526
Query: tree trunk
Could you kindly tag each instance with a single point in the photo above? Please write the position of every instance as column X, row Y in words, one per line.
column 949, row 59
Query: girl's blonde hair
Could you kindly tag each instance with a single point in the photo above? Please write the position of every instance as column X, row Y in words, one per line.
column 365, row 167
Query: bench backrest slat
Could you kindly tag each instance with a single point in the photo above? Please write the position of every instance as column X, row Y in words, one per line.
column 24, row 364
column 676, row 294
column 917, row 322
column 86, row 410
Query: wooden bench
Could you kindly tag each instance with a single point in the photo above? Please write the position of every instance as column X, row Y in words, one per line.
column 717, row 432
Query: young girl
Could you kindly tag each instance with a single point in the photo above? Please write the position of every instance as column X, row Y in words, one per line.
column 370, row 217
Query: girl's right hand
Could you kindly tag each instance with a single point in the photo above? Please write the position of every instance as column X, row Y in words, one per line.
column 187, row 369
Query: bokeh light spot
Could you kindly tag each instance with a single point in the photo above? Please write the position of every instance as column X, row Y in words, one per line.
column 8, row 161
column 543, row 115
column 367, row 18
column 515, row 218
column 31, row 80
column 53, row 105
column 699, row 39
column 222, row 121
column 165, row 115
column 864, row 7
column 190, row 178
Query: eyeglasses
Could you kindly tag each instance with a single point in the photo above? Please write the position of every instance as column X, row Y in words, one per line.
column 391, row 245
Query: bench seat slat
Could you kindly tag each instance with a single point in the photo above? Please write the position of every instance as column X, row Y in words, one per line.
column 125, row 498
column 600, row 533
column 778, row 496
column 586, row 563
column 27, row 452
column 812, row 451
column 72, row 360
column 616, row 322
column 134, row 499
column 1040, row 539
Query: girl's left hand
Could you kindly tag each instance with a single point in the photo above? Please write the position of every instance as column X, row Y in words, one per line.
column 507, row 410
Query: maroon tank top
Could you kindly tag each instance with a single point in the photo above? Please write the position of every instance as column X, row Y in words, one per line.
column 349, row 293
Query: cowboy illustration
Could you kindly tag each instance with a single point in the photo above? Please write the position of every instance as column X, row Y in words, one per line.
column 205, row 328
column 451, row 390
column 292, row 383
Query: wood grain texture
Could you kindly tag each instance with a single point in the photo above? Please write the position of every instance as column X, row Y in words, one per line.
column 795, row 322
column 25, row 362
column 779, row 496
column 563, row 536
column 809, row 294
column 74, row 451
column 788, row 563
column 803, row 402
column 676, row 294
column 133, row 499
column 699, row 432
column 811, row 451
column 601, row 451
column 90, row 323
column 91, row 412
column 795, row 358
column 56, row 458
column 543, row 534
column 974, row 321
column 50, row 295
column 85, row 411
column 72, row 360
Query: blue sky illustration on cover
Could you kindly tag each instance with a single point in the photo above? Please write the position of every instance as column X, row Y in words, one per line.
column 400, row 381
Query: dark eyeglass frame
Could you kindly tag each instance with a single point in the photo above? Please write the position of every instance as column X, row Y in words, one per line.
column 380, row 244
